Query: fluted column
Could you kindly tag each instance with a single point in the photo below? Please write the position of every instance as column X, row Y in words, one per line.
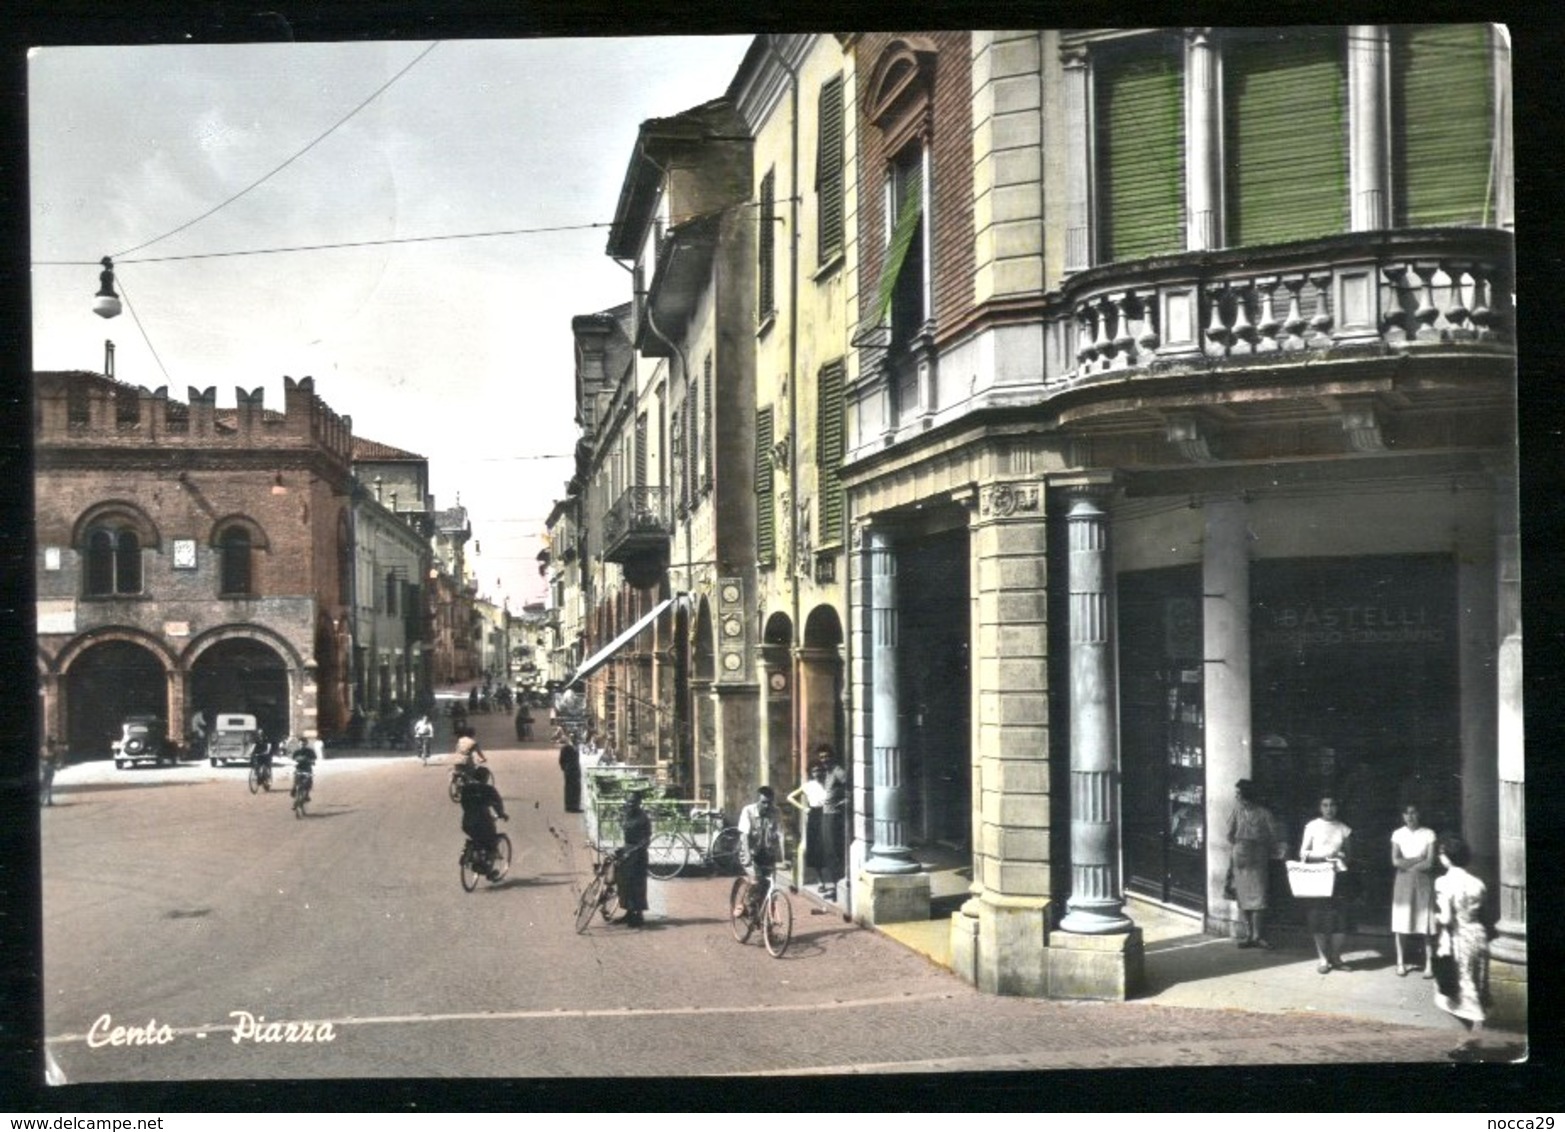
column 1368, row 152
column 1095, row 906
column 889, row 851
column 1511, row 943
column 1203, row 143
column 1078, row 160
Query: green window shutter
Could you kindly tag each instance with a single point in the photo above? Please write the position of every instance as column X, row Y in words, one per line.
column 641, row 450
column 1285, row 134
column 830, row 444
column 1442, row 125
column 766, row 298
column 708, row 424
column 829, row 171
column 908, row 216
column 1140, row 154
column 765, row 507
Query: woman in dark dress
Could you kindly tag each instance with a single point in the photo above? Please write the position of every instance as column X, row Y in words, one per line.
column 636, row 827
column 570, row 767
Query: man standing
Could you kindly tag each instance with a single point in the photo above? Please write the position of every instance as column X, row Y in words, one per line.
column 636, row 831
column 570, row 767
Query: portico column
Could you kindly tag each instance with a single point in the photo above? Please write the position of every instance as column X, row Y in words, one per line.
column 1225, row 622
column 1095, row 906
column 1510, row 946
column 889, row 851
column 1203, row 174
column 1368, row 153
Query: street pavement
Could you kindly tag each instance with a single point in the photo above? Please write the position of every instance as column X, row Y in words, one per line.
column 176, row 902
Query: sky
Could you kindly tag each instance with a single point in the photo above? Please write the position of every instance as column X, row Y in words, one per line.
column 456, row 349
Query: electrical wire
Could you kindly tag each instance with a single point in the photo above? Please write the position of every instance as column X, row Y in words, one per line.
column 256, row 184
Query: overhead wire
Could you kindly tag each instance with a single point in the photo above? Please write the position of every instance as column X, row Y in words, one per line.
column 267, row 177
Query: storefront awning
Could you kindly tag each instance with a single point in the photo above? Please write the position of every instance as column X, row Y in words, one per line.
column 598, row 659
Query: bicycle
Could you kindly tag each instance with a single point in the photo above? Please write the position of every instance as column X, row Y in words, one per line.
column 459, row 777
column 423, row 749
column 672, row 851
column 302, row 781
column 602, row 892
column 261, row 774
column 477, row 862
column 770, row 910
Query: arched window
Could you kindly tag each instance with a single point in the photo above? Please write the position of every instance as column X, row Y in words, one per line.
column 113, row 561
column 234, row 548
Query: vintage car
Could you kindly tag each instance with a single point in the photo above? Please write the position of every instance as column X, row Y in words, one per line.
column 233, row 739
column 143, row 739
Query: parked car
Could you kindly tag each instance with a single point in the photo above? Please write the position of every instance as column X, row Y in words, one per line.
column 233, row 739
column 143, row 739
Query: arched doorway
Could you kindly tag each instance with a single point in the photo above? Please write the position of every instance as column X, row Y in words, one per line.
column 243, row 675
column 104, row 684
column 819, row 694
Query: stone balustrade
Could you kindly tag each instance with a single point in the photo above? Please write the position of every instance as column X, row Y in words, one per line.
column 1392, row 291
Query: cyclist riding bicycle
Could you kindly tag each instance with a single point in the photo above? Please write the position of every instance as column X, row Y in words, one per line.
column 479, row 797
column 304, row 769
column 423, row 734
column 761, row 843
column 261, row 757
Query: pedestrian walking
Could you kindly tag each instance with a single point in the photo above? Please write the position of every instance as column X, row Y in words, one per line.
column 570, row 769
column 1462, row 950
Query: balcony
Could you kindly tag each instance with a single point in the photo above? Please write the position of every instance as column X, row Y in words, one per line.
column 1386, row 293
column 636, row 533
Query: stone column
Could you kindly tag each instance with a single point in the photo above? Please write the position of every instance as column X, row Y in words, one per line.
column 1203, row 143
column 1225, row 625
column 1095, row 906
column 889, row 852
column 1508, row 973
column 1368, row 152
column 999, row 938
column 1078, row 160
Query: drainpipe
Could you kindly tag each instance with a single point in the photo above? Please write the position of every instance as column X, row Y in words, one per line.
column 793, row 379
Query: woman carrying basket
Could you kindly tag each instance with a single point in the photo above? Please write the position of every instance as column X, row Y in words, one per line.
column 1327, row 839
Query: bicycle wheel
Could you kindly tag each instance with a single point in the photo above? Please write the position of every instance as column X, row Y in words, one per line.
column 469, row 868
column 588, row 904
column 609, row 902
column 502, row 858
column 777, row 923
column 255, row 780
column 455, row 790
column 739, row 921
column 667, row 856
column 724, row 851
column 301, row 799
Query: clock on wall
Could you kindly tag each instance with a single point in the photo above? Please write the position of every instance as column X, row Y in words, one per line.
column 731, row 661
column 732, row 627
column 184, row 554
column 779, row 681
column 730, row 593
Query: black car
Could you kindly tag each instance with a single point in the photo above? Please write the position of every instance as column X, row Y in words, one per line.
column 143, row 739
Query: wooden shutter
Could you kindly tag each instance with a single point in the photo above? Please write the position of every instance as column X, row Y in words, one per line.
column 829, row 166
column 641, row 450
column 1442, row 125
column 708, row 422
column 1285, row 136
column 910, row 212
column 765, row 508
column 766, row 297
column 830, row 444
column 1140, row 153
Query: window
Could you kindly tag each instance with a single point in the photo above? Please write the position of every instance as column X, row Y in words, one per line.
column 1139, row 114
column 900, row 295
column 234, row 546
column 344, row 560
column 830, row 443
column 391, row 593
column 113, row 561
column 641, row 450
column 765, row 507
column 829, row 168
column 1285, row 136
column 1442, row 129
column 766, row 242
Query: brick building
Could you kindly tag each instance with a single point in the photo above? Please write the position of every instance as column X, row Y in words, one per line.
column 189, row 558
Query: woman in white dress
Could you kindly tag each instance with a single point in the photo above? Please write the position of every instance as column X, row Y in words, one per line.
column 1464, row 937
column 1413, row 894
